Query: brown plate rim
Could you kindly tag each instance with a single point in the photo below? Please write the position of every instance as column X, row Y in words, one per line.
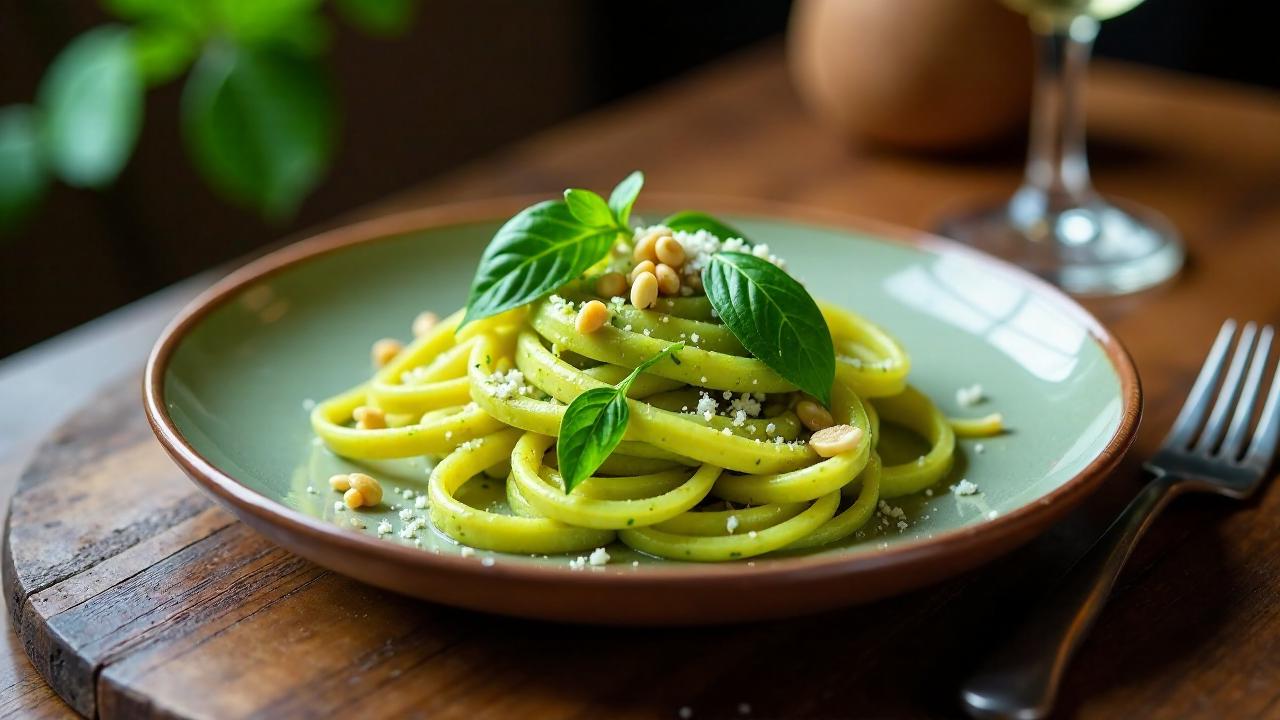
column 1003, row 532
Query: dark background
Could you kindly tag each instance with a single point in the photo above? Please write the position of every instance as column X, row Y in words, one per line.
column 521, row 65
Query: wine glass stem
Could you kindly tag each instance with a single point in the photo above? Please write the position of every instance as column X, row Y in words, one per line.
column 1057, row 172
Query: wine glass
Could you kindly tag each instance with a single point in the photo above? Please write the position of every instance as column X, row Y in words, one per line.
column 1055, row 224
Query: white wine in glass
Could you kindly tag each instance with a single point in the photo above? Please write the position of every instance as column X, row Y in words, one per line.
column 1056, row 225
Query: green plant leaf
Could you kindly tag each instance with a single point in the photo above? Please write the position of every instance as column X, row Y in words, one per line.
column 22, row 174
column 774, row 318
column 162, row 52
column 256, row 22
column 693, row 221
column 91, row 98
column 259, row 124
column 377, row 17
column 588, row 207
column 624, row 196
column 540, row 249
column 596, row 421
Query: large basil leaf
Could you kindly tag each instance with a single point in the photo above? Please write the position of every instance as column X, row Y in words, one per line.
column 693, row 221
column 596, row 421
column 91, row 98
column 259, row 123
column 540, row 249
column 774, row 318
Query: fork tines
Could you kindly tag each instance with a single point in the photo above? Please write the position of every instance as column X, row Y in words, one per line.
column 1218, row 428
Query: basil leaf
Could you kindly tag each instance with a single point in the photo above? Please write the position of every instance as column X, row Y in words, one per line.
column 774, row 318
column 624, row 196
column 592, row 427
column 588, row 207
column 596, row 421
column 693, row 221
column 540, row 249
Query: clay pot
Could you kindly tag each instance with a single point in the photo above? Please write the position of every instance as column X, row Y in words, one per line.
column 916, row 74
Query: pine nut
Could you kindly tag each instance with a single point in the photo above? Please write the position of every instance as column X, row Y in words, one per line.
column 646, row 248
column 369, row 418
column 644, row 290
column 368, row 488
column 341, row 483
column 668, row 280
column 834, row 440
column 669, row 251
column 591, row 317
column 814, row 416
column 384, row 350
column 642, row 266
column 611, row 285
column 424, row 323
column 353, row 498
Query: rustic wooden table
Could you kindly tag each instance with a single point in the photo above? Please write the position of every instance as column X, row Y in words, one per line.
column 1193, row 630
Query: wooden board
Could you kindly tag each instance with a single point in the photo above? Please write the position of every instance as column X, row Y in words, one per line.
column 135, row 596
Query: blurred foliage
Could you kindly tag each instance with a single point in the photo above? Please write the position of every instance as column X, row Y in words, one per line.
column 258, row 108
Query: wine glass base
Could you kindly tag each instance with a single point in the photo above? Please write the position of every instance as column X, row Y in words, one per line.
column 1103, row 248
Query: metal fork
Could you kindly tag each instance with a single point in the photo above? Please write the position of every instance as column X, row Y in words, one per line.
column 1205, row 452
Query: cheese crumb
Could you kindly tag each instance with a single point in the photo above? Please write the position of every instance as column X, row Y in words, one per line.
column 770, row 428
column 706, row 406
column 964, row 487
column 693, row 338
column 969, row 396
column 746, row 403
column 420, row 501
column 599, row 557
column 467, row 552
column 578, row 563
column 488, row 562
column 726, row 431
column 505, row 386
column 311, row 490
column 731, row 524
column 384, row 527
column 978, row 449
column 339, row 506
column 357, row 523
column 992, row 515
column 740, row 418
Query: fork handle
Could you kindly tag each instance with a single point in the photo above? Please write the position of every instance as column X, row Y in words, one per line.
column 1021, row 679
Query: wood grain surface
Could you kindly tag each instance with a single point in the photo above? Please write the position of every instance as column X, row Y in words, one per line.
column 135, row 596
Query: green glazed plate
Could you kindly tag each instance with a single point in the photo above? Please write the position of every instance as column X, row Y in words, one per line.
column 230, row 384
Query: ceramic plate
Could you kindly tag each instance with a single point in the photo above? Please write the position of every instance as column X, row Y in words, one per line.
column 229, row 386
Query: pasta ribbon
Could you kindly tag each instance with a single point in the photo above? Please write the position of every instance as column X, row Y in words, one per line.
column 714, row 465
